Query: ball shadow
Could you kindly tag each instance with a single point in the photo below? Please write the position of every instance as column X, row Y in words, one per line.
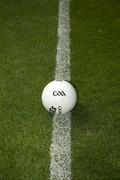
column 80, row 116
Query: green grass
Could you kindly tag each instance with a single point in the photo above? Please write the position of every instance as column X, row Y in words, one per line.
column 95, row 73
column 28, row 38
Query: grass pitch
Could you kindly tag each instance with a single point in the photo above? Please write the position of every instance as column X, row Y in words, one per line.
column 95, row 72
column 28, row 41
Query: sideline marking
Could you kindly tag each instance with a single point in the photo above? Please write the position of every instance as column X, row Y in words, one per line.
column 60, row 150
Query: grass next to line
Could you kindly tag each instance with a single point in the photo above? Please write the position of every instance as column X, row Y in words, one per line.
column 95, row 72
column 28, row 38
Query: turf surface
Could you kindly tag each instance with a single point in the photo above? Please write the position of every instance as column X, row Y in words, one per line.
column 95, row 72
column 28, row 40
column 28, row 37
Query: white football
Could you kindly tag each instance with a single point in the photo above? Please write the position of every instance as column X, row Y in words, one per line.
column 59, row 97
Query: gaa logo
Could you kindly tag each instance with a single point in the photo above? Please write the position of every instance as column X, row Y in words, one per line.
column 59, row 93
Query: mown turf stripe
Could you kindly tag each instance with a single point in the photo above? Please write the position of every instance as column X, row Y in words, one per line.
column 60, row 167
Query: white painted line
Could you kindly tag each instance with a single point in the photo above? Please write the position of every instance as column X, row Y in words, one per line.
column 62, row 71
column 60, row 151
column 60, row 168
